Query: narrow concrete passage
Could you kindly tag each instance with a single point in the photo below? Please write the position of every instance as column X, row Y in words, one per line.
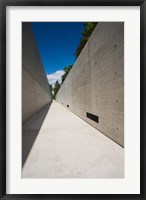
column 68, row 147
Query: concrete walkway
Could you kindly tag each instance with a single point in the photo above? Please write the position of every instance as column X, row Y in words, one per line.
column 68, row 147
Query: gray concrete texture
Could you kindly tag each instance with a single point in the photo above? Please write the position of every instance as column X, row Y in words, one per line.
column 36, row 92
column 58, row 144
column 95, row 84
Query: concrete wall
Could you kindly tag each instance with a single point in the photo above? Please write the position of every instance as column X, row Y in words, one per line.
column 95, row 84
column 36, row 92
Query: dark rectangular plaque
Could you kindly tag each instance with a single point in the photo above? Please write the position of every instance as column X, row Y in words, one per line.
column 93, row 117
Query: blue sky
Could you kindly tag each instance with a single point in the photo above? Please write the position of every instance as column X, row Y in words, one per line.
column 57, row 42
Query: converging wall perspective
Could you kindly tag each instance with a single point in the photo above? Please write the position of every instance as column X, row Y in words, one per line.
column 72, row 99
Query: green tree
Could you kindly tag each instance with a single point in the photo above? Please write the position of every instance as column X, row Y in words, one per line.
column 88, row 29
column 55, row 89
column 50, row 87
column 66, row 71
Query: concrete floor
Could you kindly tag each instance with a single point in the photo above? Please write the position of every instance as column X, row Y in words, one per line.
column 68, row 147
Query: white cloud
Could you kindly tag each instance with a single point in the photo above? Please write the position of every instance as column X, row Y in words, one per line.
column 52, row 78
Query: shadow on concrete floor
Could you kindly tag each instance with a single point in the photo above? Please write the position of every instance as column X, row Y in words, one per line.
column 30, row 130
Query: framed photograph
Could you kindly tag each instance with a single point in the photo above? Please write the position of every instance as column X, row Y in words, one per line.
column 72, row 99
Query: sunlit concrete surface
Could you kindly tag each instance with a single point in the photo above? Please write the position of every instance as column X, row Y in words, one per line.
column 95, row 83
column 68, row 147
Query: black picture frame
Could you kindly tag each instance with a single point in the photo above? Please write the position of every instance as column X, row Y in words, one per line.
column 3, row 128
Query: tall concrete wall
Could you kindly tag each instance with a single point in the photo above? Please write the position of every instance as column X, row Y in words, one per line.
column 36, row 92
column 95, row 84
